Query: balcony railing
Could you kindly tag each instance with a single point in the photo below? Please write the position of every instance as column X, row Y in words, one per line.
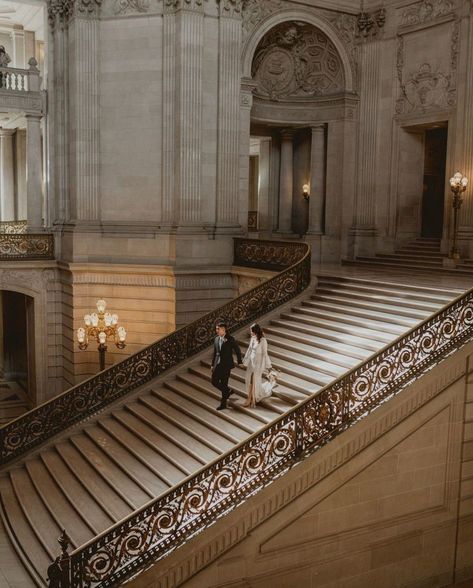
column 26, row 246
column 20, row 89
column 13, row 227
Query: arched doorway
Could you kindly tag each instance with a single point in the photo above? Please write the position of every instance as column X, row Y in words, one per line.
column 17, row 365
column 301, row 99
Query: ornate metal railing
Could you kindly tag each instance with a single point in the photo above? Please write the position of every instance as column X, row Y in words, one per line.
column 167, row 522
column 292, row 260
column 13, row 227
column 27, row 246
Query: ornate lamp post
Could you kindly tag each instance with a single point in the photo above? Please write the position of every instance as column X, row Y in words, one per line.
column 101, row 326
column 458, row 184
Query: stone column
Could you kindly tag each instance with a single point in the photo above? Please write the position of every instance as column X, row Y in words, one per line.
column 18, row 48
column 317, row 180
column 264, row 211
column 228, row 113
column 246, row 102
column 190, row 36
column 286, row 175
column 84, row 125
column 7, row 175
column 34, row 179
column 364, row 217
column 20, row 174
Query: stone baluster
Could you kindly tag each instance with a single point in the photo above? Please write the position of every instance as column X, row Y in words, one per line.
column 317, row 180
column 228, row 113
column 7, row 175
column 34, row 174
column 286, row 187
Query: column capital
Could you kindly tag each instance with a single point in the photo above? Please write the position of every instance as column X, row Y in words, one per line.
column 190, row 5
column 61, row 11
column 287, row 134
column 318, row 128
column 7, row 132
column 230, row 8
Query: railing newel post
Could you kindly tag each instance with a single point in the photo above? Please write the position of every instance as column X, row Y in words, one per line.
column 59, row 572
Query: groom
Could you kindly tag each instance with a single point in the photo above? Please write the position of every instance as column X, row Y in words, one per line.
column 222, row 362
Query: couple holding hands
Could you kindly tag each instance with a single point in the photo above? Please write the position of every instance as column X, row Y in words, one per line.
column 256, row 361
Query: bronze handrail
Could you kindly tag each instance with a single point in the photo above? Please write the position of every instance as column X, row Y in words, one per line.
column 164, row 523
column 26, row 246
column 89, row 397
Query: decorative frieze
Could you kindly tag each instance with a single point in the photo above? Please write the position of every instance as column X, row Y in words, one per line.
column 426, row 11
column 122, row 7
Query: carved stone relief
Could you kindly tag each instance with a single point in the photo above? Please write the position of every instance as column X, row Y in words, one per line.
column 428, row 87
column 425, row 11
column 230, row 7
column 60, row 11
column 254, row 11
column 187, row 4
column 131, row 6
column 296, row 60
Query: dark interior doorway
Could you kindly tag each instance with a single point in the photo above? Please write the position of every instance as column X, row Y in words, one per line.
column 435, row 157
column 17, row 369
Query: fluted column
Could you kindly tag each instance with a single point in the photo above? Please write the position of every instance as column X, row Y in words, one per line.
column 84, row 124
column 7, row 175
column 190, row 35
column 34, row 174
column 364, row 217
column 168, row 193
column 317, row 180
column 286, row 186
column 228, row 112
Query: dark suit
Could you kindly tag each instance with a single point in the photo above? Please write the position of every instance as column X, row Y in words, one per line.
column 222, row 364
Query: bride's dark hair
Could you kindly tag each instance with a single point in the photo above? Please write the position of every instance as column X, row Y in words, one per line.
column 257, row 330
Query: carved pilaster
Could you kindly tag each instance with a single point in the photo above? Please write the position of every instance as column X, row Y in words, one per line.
column 84, row 127
column 190, row 25
column 61, row 11
column 228, row 113
column 365, row 200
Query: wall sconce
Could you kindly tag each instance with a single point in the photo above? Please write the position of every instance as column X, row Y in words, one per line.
column 458, row 184
column 305, row 192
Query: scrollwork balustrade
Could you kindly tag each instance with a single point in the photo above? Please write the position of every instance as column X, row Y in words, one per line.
column 13, row 227
column 164, row 524
column 26, row 246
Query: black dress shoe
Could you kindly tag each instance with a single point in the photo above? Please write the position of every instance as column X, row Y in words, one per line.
column 222, row 406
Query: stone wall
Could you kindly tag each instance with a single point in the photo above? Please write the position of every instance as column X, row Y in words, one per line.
column 386, row 504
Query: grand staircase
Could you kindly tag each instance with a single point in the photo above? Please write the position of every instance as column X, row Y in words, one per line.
column 90, row 477
column 423, row 254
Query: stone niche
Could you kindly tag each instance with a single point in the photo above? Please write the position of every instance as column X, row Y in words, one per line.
column 297, row 61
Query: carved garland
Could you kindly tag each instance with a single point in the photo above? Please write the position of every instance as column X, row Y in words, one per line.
column 428, row 88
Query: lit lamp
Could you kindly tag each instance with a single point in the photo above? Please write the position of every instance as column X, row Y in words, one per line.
column 101, row 326
column 458, row 184
column 305, row 192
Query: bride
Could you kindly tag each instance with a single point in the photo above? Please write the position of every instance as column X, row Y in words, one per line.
column 257, row 361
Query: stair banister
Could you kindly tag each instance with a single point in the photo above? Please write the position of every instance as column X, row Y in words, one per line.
column 168, row 521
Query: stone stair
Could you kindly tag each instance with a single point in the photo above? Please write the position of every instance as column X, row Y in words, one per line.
column 99, row 472
column 419, row 255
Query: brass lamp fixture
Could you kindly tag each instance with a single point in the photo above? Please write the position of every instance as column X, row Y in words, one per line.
column 100, row 326
column 305, row 192
column 458, row 184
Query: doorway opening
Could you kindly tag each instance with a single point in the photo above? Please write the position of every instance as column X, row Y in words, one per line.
column 17, row 370
column 433, row 193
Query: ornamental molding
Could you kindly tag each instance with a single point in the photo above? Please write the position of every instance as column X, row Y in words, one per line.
column 427, row 88
column 203, row 554
column 231, row 8
column 29, row 102
column 426, row 11
column 32, row 280
column 61, row 11
column 297, row 60
column 123, row 7
column 192, row 5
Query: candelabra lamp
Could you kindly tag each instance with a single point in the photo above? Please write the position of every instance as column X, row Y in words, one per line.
column 101, row 326
column 458, row 184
